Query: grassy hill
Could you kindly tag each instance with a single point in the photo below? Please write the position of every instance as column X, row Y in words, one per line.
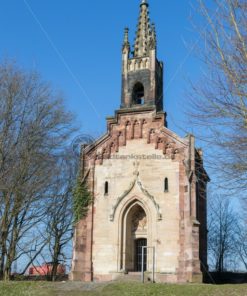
column 115, row 289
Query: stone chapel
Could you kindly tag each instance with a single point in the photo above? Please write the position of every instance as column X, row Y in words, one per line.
column 148, row 184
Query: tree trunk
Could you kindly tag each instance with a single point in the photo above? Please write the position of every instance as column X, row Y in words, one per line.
column 56, row 254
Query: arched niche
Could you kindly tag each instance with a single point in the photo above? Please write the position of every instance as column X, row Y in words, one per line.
column 138, row 94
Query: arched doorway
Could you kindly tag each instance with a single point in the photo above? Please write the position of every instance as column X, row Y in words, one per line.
column 134, row 238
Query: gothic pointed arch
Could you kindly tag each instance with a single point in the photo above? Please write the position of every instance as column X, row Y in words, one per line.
column 144, row 191
column 138, row 94
column 134, row 224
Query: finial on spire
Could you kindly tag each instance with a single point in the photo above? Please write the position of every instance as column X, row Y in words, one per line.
column 153, row 39
column 126, row 44
column 144, row 2
column 126, row 35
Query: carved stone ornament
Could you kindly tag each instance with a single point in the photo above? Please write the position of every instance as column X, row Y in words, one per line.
column 144, row 191
column 139, row 221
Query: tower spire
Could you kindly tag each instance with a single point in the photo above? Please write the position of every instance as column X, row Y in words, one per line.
column 144, row 32
column 142, row 72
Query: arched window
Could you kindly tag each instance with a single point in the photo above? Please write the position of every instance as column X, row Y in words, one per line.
column 166, row 185
column 106, row 188
column 138, row 94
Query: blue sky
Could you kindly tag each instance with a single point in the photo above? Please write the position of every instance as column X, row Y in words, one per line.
column 76, row 45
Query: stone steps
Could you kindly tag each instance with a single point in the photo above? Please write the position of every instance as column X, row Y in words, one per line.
column 135, row 276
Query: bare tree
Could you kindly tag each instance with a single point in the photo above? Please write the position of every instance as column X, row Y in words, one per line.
column 223, row 224
column 52, row 237
column 60, row 214
column 241, row 242
column 34, row 128
column 218, row 102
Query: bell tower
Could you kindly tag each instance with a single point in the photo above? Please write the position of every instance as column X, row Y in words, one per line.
column 142, row 73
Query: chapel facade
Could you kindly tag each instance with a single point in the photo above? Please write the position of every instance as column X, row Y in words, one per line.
column 148, row 184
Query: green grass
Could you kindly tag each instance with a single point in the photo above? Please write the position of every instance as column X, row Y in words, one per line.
column 115, row 289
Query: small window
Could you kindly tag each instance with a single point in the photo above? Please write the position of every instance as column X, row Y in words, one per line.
column 166, row 185
column 106, row 188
